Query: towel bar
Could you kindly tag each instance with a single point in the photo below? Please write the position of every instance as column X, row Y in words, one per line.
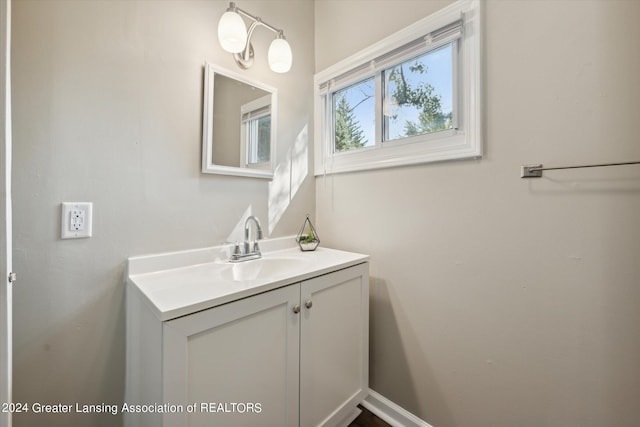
column 535, row 171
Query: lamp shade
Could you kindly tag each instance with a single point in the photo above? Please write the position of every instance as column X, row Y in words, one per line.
column 232, row 32
column 280, row 56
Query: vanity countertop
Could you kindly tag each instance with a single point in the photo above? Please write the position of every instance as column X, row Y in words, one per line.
column 181, row 283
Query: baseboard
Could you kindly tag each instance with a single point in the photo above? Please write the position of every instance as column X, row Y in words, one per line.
column 350, row 417
column 391, row 413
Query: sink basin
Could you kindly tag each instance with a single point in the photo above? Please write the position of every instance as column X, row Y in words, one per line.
column 176, row 284
column 262, row 268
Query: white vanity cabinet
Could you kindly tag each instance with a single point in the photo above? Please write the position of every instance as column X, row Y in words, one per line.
column 242, row 352
column 293, row 356
column 334, row 346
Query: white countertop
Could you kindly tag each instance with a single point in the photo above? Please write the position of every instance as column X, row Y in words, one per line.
column 174, row 287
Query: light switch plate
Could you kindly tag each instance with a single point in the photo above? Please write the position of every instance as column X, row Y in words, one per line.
column 77, row 220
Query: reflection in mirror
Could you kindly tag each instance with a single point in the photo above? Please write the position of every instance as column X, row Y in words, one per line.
column 230, row 100
column 238, row 125
column 255, row 133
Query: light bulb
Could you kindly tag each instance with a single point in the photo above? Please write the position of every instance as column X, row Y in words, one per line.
column 280, row 56
column 232, row 32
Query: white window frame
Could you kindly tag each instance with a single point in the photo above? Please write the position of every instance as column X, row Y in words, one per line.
column 462, row 142
column 249, row 115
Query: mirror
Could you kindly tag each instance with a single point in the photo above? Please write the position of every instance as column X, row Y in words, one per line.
column 239, row 125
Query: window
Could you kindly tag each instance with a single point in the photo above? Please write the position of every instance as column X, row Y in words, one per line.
column 354, row 116
column 419, row 95
column 256, row 133
column 412, row 98
column 258, row 139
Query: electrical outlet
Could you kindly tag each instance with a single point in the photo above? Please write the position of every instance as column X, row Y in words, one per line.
column 76, row 220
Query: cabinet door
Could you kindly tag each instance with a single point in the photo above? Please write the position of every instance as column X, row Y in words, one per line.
column 245, row 352
column 334, row 346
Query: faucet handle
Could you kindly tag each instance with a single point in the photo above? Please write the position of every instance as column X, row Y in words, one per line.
column 236, row 247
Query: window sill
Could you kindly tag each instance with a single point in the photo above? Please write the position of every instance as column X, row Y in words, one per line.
column 449, row 148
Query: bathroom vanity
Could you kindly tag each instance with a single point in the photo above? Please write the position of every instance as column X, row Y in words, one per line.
column 277, row 341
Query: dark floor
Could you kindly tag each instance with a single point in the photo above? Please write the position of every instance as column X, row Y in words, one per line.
column 367, row 419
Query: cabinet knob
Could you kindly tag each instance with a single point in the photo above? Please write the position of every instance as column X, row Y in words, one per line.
column 296, row 308
column 308, row 304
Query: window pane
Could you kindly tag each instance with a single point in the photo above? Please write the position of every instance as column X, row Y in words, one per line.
column 259, row 131
column 419, row 95
column 354, row 116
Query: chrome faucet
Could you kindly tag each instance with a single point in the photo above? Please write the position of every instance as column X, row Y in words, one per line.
column 250, row 251
column 256, row 248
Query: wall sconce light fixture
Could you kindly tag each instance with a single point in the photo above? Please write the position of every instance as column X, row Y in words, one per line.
column 235, row 38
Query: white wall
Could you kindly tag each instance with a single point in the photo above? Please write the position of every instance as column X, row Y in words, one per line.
column 107, row 108
column 498, row 301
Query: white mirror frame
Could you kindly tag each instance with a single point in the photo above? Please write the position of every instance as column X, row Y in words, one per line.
column 208, row 164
